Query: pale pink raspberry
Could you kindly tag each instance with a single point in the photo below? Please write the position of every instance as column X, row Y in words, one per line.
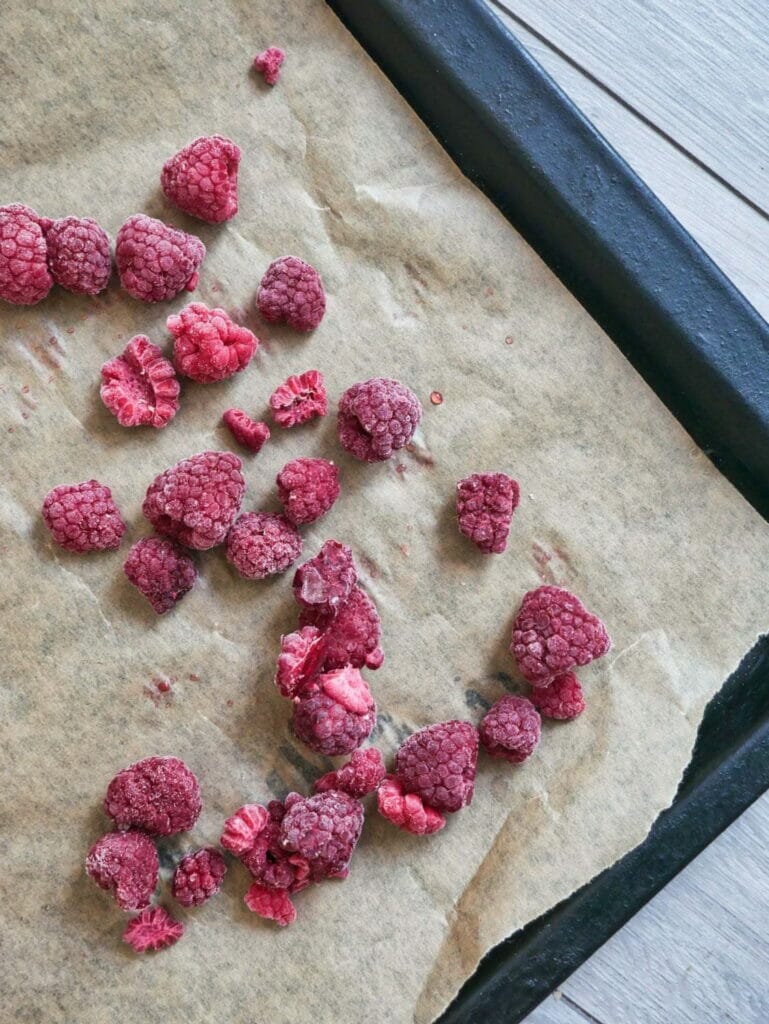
column 155, row 261
column 208, row 345
column 154, row 928
column 291, row 290
column 376, row 418
column 299, row 661
column 268, row 63
column 252, row 434
column 298, row 399
column 307, row 489
column 243, row 827
column 262, row 544
column 272, row 904
column 407, row 810
column 79, row 255
column 24, row 274
column 202, row 178
column 139, row 387
column 361, row 775
column 83, row 517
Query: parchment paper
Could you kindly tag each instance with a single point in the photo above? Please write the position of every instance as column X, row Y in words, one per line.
column 426, row 283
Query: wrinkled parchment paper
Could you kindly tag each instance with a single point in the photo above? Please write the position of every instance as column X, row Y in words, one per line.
column 426, row 283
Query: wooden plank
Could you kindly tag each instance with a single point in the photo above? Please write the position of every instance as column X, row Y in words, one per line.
column 557, row 1009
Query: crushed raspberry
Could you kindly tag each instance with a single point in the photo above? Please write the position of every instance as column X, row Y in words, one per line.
column 553, row 633
column 485, row 506
column 359, row 776
column 438, row 764
column 154, row 928
column 159, row 795
column 272, row 904
column 407, row 810
column 202, row 179
column 299, row 661
column 208, row 346
column 561, row 699
column 161, row 571
column 262, row 544
column 83, row 517
column 511, row 729
column 307, row 488
column 24, row 275
column 125, row 864
column 376, row 418
column 324, row 830
column 347, row 687
column 291, row 290
column 78, row 255
column 338, row 716
column 268, row 64
column 196, row 501
column 241, row 830
column 352, row 636
column 324, row 583
column 299, row 399
column 252, row 434
column 155, row 261
column 139, row 387
column 198, row 877
column 255, row 831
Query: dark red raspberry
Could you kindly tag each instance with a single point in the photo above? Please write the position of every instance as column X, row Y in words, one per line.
column 83, row 517
column 154, row 928
column 438, row 763
column 24, row 275
column 161, row 571
column 338, row 716
column 198, row 877
column 252, row 434
column 139, row 386
column 125, row 864
column 243, row 827
column 511, row 729
column 352, row 636
column 324, row 829
column 261, row 544
column 291, row 290
column 307, row 488
column 299, row 661
column 208, row 346
column 272, row 904
column 407, row 810
column 299, row 399
column 562, row 698
column 324, row 583
column 202, row 178
column 268, row 64
column 78, row 255
column 159, row 795
column 196, row 501
column 359, row 776
column 553, row 633
column 155, row 261
column 485, row 506
column 376, row 418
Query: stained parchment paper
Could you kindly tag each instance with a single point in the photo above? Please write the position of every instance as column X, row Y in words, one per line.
column 429, row 284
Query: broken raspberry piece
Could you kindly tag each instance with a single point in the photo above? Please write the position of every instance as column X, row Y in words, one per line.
column 510, row 729
column 307, row 488
column 323, row 829
column 83, row 517
column 299, row 399
column 159, row 795
column 485, row 506
column 125, row 864
column 78, row 255
column 161, row 571
column 208, row 346
column 202, row 178
column 268, row 63
column 262, row 544
column 243, row 827
column 198, row 877
column 139, row 387
column 352, row 636
column 561, row 699
column 252, row 434
column 272, row 904
column 347, row 687
column 407, row 810
column 338, row 716
column 155, row 261
column 359, row 776
column 154, row 928
column 291, row 290
column 376, row 418
column 324, row 583
column 24, row 274
column 438, row 764
column 299, row 661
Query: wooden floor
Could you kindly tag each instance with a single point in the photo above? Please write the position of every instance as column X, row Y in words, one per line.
column 680, row 88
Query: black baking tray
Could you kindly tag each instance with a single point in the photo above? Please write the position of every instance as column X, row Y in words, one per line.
column 686, row 329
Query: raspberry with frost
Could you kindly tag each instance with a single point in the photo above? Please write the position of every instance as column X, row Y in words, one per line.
column 376, row 418
column 262, row 544
column 202, row 178
column 323, row 829
column 252, row 434
column 352, row 636
column 485, row 506
column 125, row 864
column 438, row 764
column 299, row 661
column 292, row 291
column 337, row 714
column 407, row 810
column 139, row 387
column 298, row 399
column 561, row 699
column 243, row 827
column 161, row 571
column 198, row 877
column 78, row 255
column 24, row 275
column 208, row 345
column 510, row 729
column 159, row 795
column 253, row 833
column 361, row 775
column 324, row 583
column 83, row 517
column 272, row 904
column 155, row 261
column 307, row 489
column 268, row 63
column 154, row 928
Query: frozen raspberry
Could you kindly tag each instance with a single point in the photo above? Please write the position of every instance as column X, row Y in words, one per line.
column 438, row 763
column 155, row 261
column 255, row 832
column 202, row 179
column 352, row 636
column 208, row 346
column 159, row 795
column 78, row 255
column 24, row 275
column 359, row 776
column 125, row 864
column 299, row 661
column 291, row 290
column 307, row 488
column 252, row 434
column 261, row 544
column 198, row 877
column 338, row 716
column 154, row 928
column 161, row 571
column 562, row 698
column 324, row 829
column 407, row 810
column 324, row 583
column 485, row 506
column 298, row 399
column 196, row 501
column 553, row 633
column 511, row 728
column 268, row 64
column 273, row 904
column 83, row 517
column 243, row 827
column 139, row 386
column 376, row 418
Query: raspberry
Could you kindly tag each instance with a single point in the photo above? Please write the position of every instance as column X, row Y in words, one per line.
column 208, row 346
column 252, row 434
column 139, row 386
column 376, row 418
column 273, row 904
column 324, row 583
column 562, row 698
column 83, row 517
column 202, row 179
column 161, row 571
column 511, row 728
column 351, row 637
column 198, row 877
column 324, row 829
column 253, row 833
column 125, row 864
column 24, row 276
column 268, row 64
column 196, row 501
column 159, row 795
column 300, row 659
column 241, row 830
column 152, row 929
column 78, row 255
column 359, row 776
column 298, row 399
column 438, row 764
column 407, row 811
column 261, row 544
column 338, row 715
column 553, row 632
column 291, row 290
column 155, row 261
column 307, row 488
column 485, row 506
